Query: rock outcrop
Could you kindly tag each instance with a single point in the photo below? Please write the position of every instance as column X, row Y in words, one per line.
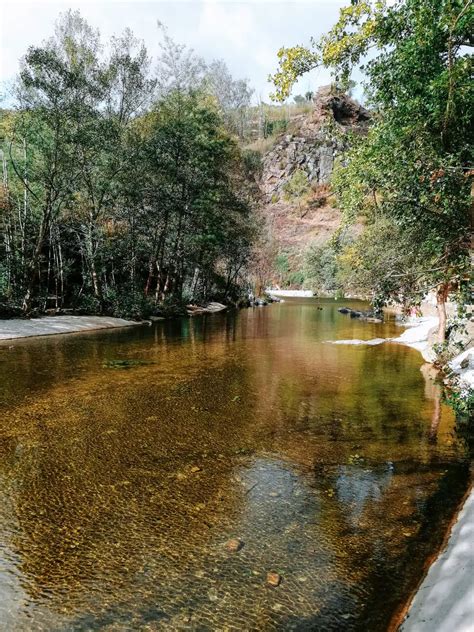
column 314, row 146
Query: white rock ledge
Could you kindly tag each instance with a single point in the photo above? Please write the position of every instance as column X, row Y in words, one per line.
column 50, row 325
column 445, row 600
column 417, row 336
column 463, row 366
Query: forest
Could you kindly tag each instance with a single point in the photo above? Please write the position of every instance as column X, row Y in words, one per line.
column 124, row 186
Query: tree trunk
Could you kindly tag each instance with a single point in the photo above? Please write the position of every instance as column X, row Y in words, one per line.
column 151, row 271
column 91, row 250
column 32, row 269
column 441, row 297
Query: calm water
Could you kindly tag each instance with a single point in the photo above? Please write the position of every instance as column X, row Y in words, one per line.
column 119, row 487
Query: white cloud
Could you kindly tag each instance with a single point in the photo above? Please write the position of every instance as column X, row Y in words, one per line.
column 247, row 35
column 233, row 24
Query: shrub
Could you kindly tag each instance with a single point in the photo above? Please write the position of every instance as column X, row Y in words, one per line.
column 252, row 159
column 296, row 186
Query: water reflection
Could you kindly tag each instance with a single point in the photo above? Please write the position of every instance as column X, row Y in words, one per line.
column 119, row 488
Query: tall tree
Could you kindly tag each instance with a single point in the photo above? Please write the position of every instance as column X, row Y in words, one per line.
column 415, row 165
column 111, row 199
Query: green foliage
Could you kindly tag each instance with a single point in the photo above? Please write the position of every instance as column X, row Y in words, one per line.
column 296, row 186
column 252, row 161
column 321, row 269
column 409, row 178
column 88, row 304
column 274, row 127
column 462, row 402
column 294, row 62
column 286, row 276
column 124, row 302
column 116, row 203
column 297, row 277
column 282, row 264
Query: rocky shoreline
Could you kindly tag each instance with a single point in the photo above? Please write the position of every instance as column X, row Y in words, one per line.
column 15, row 328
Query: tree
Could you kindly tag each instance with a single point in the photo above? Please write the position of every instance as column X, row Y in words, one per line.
column 110, row 200
column 321, row 269
column 128, row 75
column 233, row 95
column 178, row 68
column 58, row 85
column 414, row 166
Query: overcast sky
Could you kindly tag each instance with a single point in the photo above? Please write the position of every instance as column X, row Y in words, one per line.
column 246, row 35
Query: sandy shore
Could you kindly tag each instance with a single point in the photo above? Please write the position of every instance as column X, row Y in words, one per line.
column 49, row 325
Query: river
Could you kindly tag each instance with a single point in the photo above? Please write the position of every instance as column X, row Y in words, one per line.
column 130, row 458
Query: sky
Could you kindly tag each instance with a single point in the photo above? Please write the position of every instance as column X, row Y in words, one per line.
column 246, row 35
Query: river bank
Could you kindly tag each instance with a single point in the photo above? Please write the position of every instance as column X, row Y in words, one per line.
column 51, row 325
column 444, row 600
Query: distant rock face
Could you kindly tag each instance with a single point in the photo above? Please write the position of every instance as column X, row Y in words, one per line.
column 314, row 147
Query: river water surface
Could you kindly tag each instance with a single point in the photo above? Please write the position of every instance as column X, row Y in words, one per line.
column 128, row 459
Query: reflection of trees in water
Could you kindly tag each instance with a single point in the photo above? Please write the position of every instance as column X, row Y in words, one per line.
column 433, row 392
column 321, row 395
column 382, row 521
column 104, row 506
column 34, row 366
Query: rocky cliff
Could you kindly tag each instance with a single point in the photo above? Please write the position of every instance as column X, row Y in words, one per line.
column 315, row 144
column 310, row 148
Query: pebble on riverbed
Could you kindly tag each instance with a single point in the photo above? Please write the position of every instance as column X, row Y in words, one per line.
column 273, row 579
column 234, row 545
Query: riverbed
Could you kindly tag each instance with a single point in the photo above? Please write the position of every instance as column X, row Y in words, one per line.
column 129, row 458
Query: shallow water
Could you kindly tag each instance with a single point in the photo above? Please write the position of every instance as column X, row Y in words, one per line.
column 129, row 458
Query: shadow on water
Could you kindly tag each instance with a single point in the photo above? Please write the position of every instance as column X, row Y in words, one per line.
column 129, row 458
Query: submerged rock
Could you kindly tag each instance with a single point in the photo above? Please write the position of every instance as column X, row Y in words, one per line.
column 234, row 544
column 356, row 341
column 124, row 364
column 273, row 579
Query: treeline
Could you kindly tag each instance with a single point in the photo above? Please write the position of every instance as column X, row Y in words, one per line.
column 124, row 189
